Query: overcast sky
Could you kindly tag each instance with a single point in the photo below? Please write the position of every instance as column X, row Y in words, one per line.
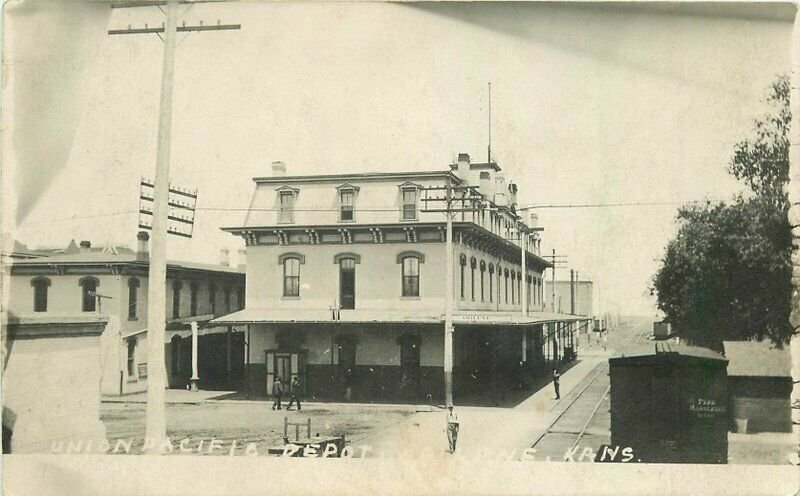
column 590, row 104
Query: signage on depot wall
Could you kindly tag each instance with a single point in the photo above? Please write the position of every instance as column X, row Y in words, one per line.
column 480, row 317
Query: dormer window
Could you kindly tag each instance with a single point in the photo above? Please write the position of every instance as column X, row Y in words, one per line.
column 347, row 202
column 286, row 200
column 409, row 196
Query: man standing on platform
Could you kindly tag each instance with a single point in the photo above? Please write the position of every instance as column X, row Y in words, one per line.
column 556, row 377
column 452, row 427
column 277, row 391
column 295, row 394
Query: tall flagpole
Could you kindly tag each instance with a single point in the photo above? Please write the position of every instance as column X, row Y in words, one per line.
column 156, row 424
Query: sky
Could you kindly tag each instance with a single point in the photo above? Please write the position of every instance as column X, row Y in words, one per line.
column 602, row 103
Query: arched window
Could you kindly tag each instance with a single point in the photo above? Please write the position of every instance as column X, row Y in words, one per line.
column 529, row 282
column 505, row 274
column 347, row 281
column 40, row 285
column 133, row 298
column 89, row 293
column 193, row 289
column 175, row 351
column 519, row 287
column 410, row 276
column 513, row 276
column 176, row 299
column 473, row 264
column 491, row 282
column 463, row 263
column 483, row 272
column 291, row 276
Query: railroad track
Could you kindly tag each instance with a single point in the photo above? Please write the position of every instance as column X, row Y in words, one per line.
column 582, row 408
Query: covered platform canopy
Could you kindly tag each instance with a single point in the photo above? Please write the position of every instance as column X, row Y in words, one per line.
column 432, row 316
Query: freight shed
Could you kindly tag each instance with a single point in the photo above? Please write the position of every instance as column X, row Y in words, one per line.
column 670, row 404
column 760, row 386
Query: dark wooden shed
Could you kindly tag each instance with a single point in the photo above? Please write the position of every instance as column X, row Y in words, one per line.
column 670, row 404
column 760, row 386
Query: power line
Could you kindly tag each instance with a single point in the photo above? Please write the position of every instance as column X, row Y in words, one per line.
column 601, row 205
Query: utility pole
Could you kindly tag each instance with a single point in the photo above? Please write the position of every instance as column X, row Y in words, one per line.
column 155, row 419
column 448, row 316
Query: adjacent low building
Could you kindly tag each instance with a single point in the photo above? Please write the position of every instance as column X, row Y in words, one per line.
column 760, row 385
column 112, row 283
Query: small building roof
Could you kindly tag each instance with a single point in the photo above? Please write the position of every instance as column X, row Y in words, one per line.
column 757, row 359
column 662, row 348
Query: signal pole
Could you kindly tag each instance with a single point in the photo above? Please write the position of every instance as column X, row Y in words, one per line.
column 155, row 420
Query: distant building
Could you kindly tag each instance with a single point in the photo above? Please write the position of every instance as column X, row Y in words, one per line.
column 760, row 385
column 346, row 285
column 580, row 294
column 112, row 283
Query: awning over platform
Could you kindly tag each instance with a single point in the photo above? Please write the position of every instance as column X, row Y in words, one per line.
column 266, row 316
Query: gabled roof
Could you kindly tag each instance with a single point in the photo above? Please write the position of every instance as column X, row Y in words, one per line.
column 757, row 359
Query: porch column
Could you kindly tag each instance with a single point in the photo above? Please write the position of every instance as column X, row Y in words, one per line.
column 195, row 377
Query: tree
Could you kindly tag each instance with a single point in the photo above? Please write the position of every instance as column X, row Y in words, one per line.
column 727, row 273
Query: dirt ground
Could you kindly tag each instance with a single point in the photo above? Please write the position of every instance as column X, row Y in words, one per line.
column 192, row 427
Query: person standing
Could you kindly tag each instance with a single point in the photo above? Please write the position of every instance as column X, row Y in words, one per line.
column 452, row 427
column 295, row 394
column 277, row 391
column 556, row 377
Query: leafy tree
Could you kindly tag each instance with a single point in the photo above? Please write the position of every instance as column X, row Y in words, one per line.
column 727, row 273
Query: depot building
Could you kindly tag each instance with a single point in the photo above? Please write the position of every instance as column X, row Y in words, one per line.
column 346, row 285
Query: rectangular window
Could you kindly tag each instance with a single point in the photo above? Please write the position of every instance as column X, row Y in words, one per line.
column 409, row 204
column 286, row 213
column 347, row 202
column 291, row 277
column 411, row 276
column 40, row 295
column 240, row 298
column 227, row 300
column 212, row 299
column 491, row 287
column 89, row 295
column 133, row 297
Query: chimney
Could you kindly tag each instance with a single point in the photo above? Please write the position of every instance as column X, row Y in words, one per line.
column 242, row 259
column 142, row 250
column 486, row 185
column 85, row 245
column 500, row 190
column 533, row 220
column 463, row 167
column 223, row 257
column 278, row 169
column 512, row 193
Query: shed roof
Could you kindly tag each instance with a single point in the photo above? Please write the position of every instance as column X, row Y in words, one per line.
column 662, row 348
column 757, row 359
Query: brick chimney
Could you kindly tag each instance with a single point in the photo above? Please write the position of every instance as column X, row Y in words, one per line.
column 85, row 246
column 485, row 186
column 241, row 260
column 224, row 260
column 278, row 169
column 142, row 249
column 463, row 166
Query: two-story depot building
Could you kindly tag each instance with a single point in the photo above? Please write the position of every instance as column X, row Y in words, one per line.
column 112, row 284
column 346, row 284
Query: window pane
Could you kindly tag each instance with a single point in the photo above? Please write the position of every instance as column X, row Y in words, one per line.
column 409, row 204
column 291, row 279
column 348, row 264
column 132, row 297
column 287, row 207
